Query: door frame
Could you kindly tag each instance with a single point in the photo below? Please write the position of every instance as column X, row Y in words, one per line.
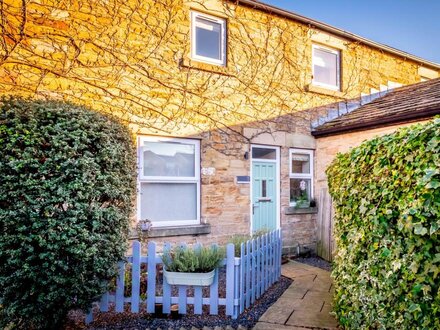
column 277, row 179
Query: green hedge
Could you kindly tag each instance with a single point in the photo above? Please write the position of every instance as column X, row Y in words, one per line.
column 386, row 195
column 66, row 191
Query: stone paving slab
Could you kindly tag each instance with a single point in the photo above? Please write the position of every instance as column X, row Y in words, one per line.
column 277, row 313
column 312, row 320
column 272, row 326
column 306, row 304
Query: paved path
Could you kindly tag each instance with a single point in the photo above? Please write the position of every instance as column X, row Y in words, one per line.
column 306, row 304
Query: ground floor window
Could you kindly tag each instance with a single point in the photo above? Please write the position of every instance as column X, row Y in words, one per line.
column 301, row 177
column 169, row 181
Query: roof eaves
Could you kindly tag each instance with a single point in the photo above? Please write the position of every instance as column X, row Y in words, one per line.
column 378, row 122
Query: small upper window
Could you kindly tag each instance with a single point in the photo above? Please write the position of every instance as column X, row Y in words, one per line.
column 208, row 38
column 326, row 67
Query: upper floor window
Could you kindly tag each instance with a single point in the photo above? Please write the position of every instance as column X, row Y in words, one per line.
column 169, row 181
column 208, row 38
column 301, row 177
column 326, row 67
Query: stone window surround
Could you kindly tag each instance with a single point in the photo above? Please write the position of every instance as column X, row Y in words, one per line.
column 219, row 20
column 177, row 224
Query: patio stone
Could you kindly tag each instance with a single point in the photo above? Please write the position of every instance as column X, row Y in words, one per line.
column 271, row 326
column 305, row 304
column 278, row 313
column 312, row 320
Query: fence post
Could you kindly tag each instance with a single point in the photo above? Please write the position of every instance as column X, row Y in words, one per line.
column 230, row 259
column 103, row 304
column 272, row 259
column 198, row 302
column 267, row 265
column 151, row 282
column 248, row 274
column 89, row 316
column 120, row 283
column 242, row 272
column 166, row 303
column 253, row 270
column 236, row 288
column 182, row 299
column 213, row 295
column 258, row 270
column 135, row 277
column 213, row 292
column 182, row 289
column 280, row 251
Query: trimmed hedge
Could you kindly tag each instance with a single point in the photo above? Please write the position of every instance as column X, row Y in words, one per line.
column 66, row 191
column 386, row 196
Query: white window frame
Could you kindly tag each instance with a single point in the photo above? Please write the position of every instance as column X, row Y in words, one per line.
column 218, row 20
column 310, row 175
column 337, row 52
column 168, row 179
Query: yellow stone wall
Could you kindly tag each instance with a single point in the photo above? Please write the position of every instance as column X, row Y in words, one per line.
column 132, row 58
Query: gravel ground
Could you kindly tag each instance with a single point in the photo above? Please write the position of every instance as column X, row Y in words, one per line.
column 130, row 321
column 316, row 262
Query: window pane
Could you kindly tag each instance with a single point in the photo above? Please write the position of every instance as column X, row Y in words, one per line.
column 173, row 159
column 300, row 191
column 208, row 38
column 264, row 153
column 168, row 201
column 301, row 163
column 325, row 67
column 263, row 188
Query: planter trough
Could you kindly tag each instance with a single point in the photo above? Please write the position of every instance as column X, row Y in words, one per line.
column 200, row 279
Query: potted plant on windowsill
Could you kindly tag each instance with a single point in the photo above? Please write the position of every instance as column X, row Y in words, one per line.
column 185, row 266
column 302, row 200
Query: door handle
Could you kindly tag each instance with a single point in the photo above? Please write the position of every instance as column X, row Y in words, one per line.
column 253, row 208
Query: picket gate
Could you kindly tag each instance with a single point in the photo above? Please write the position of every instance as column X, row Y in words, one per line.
column 247, row 278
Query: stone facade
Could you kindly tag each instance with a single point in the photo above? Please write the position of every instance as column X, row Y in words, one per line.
column 132, row 59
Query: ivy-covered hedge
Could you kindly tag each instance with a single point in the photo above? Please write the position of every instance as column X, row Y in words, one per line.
column 386, row 196
column 67, row 181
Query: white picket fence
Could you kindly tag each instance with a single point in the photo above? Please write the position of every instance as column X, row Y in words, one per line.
column 247, row 278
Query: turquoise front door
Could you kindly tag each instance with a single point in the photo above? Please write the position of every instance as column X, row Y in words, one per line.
column 264, row 195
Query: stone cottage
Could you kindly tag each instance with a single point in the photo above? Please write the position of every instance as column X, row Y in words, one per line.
column 339, row 131
column 216, row 94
